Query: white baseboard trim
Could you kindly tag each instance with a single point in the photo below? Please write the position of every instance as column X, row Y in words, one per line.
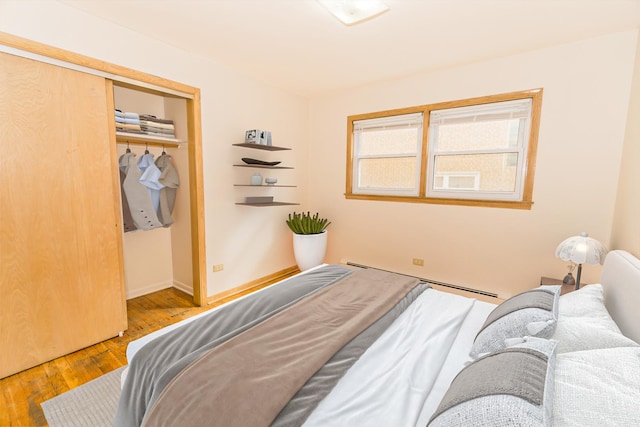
column 148, row 289
column 183, row 287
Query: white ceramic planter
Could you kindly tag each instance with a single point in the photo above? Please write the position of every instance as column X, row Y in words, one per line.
column 309, row 249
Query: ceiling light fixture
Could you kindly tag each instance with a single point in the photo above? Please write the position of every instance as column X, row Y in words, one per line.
column 351, row 12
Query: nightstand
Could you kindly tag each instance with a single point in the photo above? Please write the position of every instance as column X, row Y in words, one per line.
column 551, row 281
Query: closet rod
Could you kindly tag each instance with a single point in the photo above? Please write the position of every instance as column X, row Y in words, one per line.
column 149, row 143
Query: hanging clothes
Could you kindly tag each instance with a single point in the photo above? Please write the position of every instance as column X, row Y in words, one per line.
column 138, row 197
column 127, row 219
column 149, row 178
column 171, row 181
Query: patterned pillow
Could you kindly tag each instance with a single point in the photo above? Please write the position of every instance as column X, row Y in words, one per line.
column 530, row 313
column 512, row 386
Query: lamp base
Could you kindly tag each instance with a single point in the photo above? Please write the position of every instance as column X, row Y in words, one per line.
column 579, row 274
column 569, row 280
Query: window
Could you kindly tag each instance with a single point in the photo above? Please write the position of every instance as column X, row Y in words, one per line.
column 488, row 141
column 478, row 151
column 387, row 155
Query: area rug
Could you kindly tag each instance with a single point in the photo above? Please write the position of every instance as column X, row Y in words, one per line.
column 91, row 404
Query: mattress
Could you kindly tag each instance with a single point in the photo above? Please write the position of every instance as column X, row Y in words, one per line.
column 408, row 368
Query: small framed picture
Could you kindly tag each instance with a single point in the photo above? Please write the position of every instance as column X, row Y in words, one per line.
column 252, row 136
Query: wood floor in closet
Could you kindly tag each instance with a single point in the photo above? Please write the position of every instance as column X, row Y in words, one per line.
column 22, row 393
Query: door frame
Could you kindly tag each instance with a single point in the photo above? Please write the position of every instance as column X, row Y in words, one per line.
column 154, row 84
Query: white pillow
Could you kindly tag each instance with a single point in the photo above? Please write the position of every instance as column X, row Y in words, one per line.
column 585, row 324
column 597, row 388
column 586, row 301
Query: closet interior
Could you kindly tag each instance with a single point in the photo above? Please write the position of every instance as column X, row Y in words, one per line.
column 161, row 257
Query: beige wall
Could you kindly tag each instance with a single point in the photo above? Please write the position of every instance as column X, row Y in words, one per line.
column 626, row 225
column 586, row 95
column 250, row 242
column 586, row 98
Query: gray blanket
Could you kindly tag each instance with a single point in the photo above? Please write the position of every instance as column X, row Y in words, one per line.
column 157, row 363
column 160, row 360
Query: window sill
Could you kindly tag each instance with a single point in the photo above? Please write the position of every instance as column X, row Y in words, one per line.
column 525, row 205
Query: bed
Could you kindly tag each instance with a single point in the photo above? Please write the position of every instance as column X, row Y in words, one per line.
column 337, row 346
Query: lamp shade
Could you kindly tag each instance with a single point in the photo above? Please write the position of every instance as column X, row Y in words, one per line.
column 581, row 249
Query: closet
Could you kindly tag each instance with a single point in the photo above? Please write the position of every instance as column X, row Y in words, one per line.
column 158, row 258
column 65, row 263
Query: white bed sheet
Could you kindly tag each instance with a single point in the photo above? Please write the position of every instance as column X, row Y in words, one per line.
column 400, row 380
column 458, row 356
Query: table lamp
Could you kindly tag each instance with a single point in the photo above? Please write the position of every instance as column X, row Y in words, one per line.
column 581, row 249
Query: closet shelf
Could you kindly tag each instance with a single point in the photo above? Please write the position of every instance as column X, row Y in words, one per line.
column 134, row 138
column 268, row 204
column 261, row 147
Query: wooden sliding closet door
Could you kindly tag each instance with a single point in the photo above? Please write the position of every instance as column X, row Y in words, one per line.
column 61, row 280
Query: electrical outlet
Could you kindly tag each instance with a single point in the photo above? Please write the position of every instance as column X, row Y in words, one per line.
column 218, row 267
column 418, row 261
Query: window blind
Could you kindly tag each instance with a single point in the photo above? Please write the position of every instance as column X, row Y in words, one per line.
column 390, row 122
column 518, row 109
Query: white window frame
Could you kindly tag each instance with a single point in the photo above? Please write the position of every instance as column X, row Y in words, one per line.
column 411, row 120
column 520, row 109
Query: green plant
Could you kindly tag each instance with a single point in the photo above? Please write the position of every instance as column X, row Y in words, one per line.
column 304, row 223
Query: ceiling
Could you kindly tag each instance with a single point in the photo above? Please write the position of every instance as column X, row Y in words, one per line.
column 298, row 46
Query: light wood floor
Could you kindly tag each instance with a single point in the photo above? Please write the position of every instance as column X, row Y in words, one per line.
column 22, row 393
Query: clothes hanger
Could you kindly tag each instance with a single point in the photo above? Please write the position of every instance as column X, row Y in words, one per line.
column 146, row 148
column 128, row 149
column 163, row 152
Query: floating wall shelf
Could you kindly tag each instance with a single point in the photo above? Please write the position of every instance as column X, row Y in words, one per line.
column 268, row 204
column 263, row 185
column 257, row 166
column 263, row 166
column 261, row 147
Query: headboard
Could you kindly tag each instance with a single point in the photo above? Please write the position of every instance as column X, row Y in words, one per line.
column 620, row 279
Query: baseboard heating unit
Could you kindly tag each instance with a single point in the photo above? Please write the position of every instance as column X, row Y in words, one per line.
column 433, row 282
